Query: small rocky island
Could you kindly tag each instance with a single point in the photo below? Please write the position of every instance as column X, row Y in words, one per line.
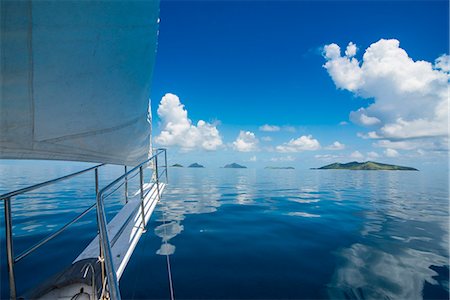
column 177, row 166
column 368, row 165
column 195, row 165
column 280, row 168
column 235, row 166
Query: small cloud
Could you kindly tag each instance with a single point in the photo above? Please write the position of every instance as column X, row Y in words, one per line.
column 372, row 155
column 351, row 50
column 327, row 157
column 269, row 128
column 443, row 63
column 303, row 143
column 389, row 152
column 335, row 146
column 359, row 117
column 424, row 144
column 283, row 158
column 266, row 139
column 289, row 128
column 246, row 142
column 356, row 155
column 343, row 123
column 253, row 158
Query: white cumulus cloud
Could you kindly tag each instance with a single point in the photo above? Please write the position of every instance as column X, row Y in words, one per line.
column 351, row 50
column 246, row 142
column 372, row 155
column 391, row 152
column 443, row 63
column 178, row 130
column 305, row 142
column 269, row 128
column 266, row 139
column 335, row 146
column 427, row 144
column 410, row 97
column 356, row 155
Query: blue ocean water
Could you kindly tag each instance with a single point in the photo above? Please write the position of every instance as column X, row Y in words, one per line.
column 254, row 233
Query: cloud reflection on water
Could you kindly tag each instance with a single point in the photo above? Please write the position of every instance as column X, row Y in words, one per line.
column 394, row 257
column 193, row 195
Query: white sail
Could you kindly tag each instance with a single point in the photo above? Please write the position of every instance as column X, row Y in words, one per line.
column 76, row 79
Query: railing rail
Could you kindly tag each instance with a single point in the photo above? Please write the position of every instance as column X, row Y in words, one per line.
column 42, row 184
column 105, row 244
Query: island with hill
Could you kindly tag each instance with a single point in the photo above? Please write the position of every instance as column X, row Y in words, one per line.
column 235, row 166
column 280, row 168
column 368, row 165
column 177, row 166
column 195, row 165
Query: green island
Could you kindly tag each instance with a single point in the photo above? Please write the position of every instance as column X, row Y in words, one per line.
column 235, row 166
column 280, row 168
column 177, row 166
column 368, row 165
column 195, row 165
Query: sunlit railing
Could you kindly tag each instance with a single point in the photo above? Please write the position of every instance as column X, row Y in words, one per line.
column 105, row 243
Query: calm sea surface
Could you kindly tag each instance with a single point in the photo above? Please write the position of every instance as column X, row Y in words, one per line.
column 252, row 234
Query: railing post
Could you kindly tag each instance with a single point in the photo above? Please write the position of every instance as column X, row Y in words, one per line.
column 165, row 163
column 9, row 248
column 157, row 176
column 100, row 254
column 113, row 287
column 141, row 177
column 126, row 186
column 96, row 182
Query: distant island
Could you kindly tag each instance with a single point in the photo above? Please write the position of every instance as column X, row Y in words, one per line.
column 177, row 166
column 235, row 166
column 368, row 165
column 280, row 168
column 195, row 165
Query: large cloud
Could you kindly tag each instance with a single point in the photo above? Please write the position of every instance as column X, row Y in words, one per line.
column 177, row 128
column 410, row 97
column 305, row 142
column 246, row 142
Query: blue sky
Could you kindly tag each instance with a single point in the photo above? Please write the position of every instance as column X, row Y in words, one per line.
column 238, row 65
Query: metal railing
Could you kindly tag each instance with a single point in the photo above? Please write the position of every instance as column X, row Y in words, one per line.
column 11, row 259
column 105, row 248
column 105, row 243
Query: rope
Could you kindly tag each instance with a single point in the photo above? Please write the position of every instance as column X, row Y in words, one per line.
column 169, row 269
column 140, row 267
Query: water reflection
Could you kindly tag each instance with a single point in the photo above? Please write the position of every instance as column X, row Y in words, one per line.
column 303, row 214
column 167, row 231
column 402, row 240
column 191, row 193
column 272, row 233
column 370, row 273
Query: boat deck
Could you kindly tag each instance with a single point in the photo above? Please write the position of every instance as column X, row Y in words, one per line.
column 126, row 228
column 83, row 277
